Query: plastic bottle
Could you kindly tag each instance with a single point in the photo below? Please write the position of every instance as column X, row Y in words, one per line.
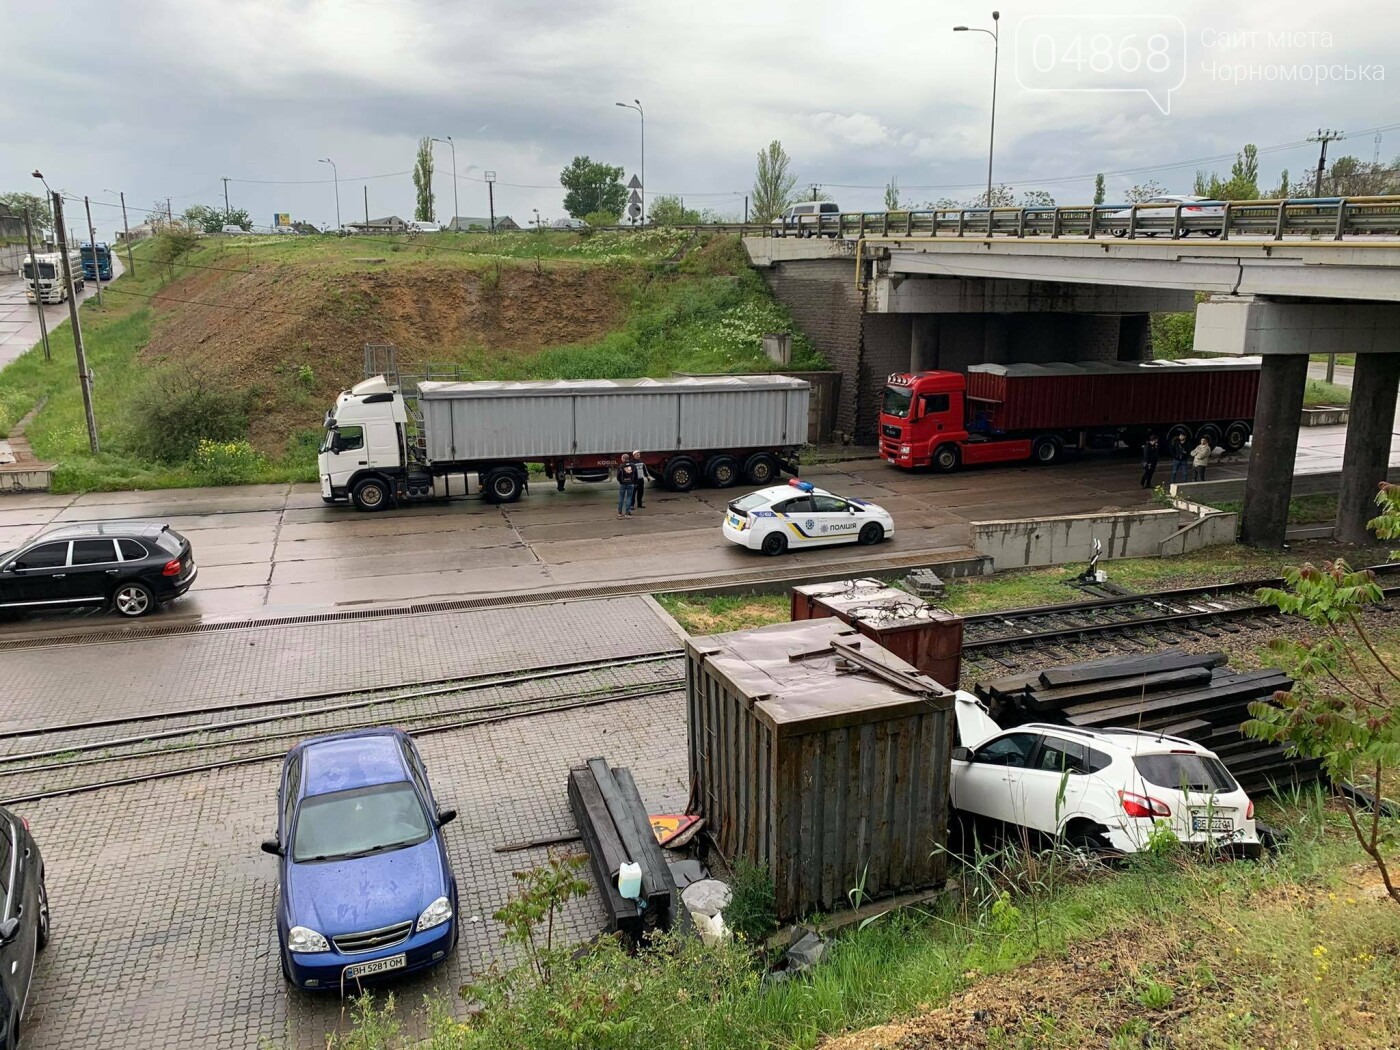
column 629, row 880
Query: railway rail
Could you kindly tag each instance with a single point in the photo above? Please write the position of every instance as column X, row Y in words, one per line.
column 93, row 756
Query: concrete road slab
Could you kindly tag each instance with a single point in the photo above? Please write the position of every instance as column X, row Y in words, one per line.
column 285, row 572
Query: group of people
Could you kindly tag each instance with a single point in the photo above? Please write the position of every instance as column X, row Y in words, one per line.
column 631, row 484
column 1198, row 458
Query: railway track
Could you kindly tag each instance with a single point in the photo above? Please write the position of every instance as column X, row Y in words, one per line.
column 88, row 757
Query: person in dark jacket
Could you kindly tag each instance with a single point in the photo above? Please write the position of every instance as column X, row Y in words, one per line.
column 1150, row 455
column 626, row 486
column 1181, row 458
column 641, row 487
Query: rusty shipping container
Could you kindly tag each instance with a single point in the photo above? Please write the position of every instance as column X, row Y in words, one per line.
column 1023, row 397
column 822, row 757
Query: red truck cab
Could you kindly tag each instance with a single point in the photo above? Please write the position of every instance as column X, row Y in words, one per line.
column 924, row 419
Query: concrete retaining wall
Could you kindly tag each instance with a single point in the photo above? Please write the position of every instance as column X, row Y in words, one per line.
column 1231, row 489
column 1131, row 534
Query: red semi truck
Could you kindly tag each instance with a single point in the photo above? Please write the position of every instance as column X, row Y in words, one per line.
column 1007, row 413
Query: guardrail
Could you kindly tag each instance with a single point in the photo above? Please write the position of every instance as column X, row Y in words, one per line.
column 1331, row 217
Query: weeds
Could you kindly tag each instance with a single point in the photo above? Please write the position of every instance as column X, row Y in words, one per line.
column 753, row 911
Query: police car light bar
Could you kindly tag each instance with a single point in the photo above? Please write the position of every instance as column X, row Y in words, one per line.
column 805, row 486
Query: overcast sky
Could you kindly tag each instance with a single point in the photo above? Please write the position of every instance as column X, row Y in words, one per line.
column 163, row 97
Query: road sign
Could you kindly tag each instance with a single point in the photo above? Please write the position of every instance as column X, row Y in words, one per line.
column 635, row 184
column 634, row 211
column 635, row 197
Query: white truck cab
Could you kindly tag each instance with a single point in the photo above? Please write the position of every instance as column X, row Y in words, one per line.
column 364, row 433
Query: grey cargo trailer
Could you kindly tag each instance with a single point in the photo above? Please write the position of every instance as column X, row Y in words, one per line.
column 472, row 422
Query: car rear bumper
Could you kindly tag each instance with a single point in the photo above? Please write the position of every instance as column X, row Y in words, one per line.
column 322, row 971
column 743, row 537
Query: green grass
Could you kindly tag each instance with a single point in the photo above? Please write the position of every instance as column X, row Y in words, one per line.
column 1349, row 360
column 1320, row 392
column 1302, row 510
column 1253, row 951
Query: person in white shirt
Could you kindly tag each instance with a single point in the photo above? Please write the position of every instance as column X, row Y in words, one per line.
column 1200, row 459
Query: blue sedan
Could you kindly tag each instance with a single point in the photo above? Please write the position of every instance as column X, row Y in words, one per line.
column 366, row 887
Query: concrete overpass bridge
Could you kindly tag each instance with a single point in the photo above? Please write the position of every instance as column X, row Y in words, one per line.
column 908, row 291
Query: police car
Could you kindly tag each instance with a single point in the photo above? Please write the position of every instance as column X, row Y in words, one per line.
column 800, row 515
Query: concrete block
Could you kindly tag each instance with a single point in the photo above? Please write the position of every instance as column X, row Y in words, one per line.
column 1325, row 416
column 32, row 478
column 1027, row 542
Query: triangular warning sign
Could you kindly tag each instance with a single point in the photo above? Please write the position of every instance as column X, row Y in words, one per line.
column 635, row 184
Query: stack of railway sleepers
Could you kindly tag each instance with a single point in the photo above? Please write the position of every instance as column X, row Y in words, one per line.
column 1191, row 695
column 615, row 828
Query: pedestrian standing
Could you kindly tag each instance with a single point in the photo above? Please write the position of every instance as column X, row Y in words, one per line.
column 641, row 487
column 1200, row 459
column 1181, row 458
column 1150, row 455
column 626, row 484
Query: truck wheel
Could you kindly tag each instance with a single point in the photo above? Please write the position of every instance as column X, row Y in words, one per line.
column 1236, row 436
column 760, row 469
column 774, row 544
column 723, row 471
column 681, row 474
column 1046, row 450
column 1211, row 433
column 871, row 533
column 502, row 485
column 946, row 459
column 1172, row 432
column 370, row 494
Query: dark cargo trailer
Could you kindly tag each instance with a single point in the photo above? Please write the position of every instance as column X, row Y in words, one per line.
column 819, row 755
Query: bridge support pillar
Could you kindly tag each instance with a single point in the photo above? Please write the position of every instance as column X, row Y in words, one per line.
column 923, row 342
column 1277, row 414
column 1367, row 458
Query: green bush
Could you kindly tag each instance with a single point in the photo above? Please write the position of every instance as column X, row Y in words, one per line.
column 601, row 218
column 753, row 912
column 13, row 405
column 227, row 462
column 175, row 410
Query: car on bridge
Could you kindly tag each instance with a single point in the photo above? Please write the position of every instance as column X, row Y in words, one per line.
column 798, row 514
column 130, row 567
column 365, row 887
column 1196, row 216
column 810, row 219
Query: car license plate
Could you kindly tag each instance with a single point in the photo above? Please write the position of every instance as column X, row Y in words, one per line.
column 1205, row 822
column 365, row 969
column 736, row 521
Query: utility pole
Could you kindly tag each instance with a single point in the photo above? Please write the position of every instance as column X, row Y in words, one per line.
column 816, row 186
column 1324, row 137
column 366, row 207
column 130, row 263
column 34, row 272
column 84, row 376
column 169, row 215
column 225, row 181
column 746, row 209
column 92, row 241
column 491, row 197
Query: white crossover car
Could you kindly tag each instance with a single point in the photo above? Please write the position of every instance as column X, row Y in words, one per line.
column 800, row 515
column 1101, row 789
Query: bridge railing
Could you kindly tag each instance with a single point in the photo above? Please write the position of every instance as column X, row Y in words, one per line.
column 1327, row 217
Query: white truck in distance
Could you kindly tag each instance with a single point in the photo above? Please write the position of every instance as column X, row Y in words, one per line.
column 379, row 450
column 50, row 285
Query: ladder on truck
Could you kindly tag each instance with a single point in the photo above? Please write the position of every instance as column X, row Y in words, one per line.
column 382, row 359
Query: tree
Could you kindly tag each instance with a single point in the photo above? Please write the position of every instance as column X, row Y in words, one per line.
column 1243, row 183
column 1343, row 706
column 423, row 181
column 773, row 183
column 671, row 211
column 892, row 194
column 1349, row 177
column 40, row 214
column 1280, row 191
column 1099, row 190
column 1147, row 190
column 213, row 220
column 591, row 187
column 1037, row 199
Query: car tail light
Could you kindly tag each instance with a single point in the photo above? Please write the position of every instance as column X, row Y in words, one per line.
column 1249, row 811
column 1143, row 806
column 172, row 568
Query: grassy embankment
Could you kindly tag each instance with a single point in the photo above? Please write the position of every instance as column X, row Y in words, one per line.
column 277, row 324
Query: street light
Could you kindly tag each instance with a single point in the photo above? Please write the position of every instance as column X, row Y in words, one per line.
column 453, row 145
column 538, row 227
column 637, row 105
column 994, row 33
column 336, row 175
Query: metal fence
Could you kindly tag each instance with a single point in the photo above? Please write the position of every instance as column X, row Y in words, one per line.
column 1333, row 218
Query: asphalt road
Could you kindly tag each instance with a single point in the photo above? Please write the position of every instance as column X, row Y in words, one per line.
column 19, row 321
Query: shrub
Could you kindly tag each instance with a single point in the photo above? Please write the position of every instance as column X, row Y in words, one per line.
column 306, row 376
column 176, row 409
column 601, row 218
column 227, row 462
column 753, row 910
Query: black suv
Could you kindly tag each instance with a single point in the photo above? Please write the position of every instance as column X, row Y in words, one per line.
column 130, row 567
column 24, row 921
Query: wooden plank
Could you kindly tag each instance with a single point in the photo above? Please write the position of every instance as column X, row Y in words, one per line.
column 623, row 914
column 626, row 827
column 614, row 853
column 1050, row 699
column 675, row 911
column 1126, row 666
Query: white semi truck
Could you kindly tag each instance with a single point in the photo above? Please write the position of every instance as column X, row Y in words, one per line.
column 49, row 286
column 381, row 448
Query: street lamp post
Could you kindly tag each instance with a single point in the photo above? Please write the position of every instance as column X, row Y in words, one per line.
column 453, row 146
column 491, row 197
column 538, row 227
column 130, row 263
column 994, row 33
column 637, row 105
column 335, row 173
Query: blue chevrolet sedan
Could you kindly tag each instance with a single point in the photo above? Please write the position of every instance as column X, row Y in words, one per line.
column 366, row 887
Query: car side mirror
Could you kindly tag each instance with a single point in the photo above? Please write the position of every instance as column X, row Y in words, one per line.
column 9, row 929
column 272, row 846
column 962, row 754
column 446, row 816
